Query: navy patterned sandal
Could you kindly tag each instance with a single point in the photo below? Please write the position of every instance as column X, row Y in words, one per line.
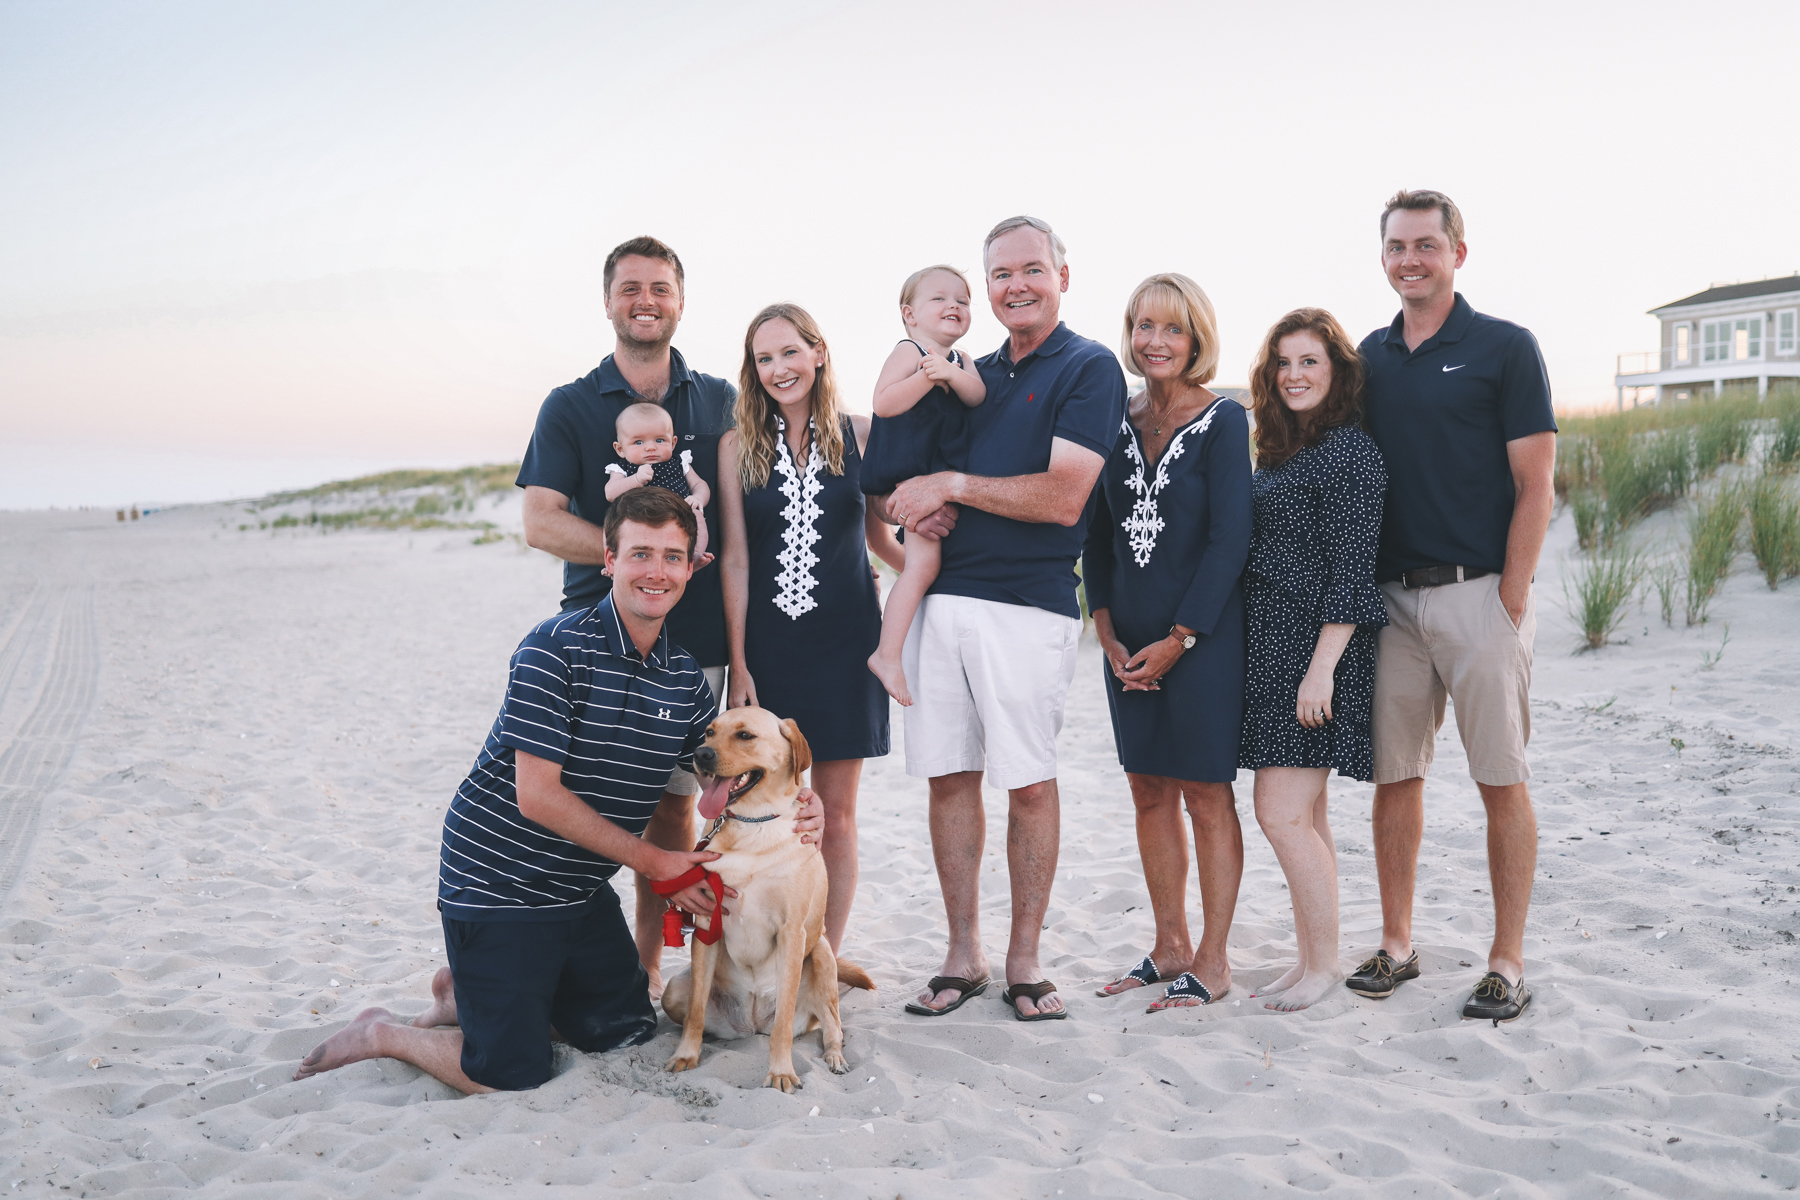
column 1145, row 973
column 1185, row 987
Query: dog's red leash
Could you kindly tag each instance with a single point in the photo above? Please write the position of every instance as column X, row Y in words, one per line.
column 676, row 919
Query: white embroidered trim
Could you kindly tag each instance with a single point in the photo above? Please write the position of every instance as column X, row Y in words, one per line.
column 795, row 583
column 687, row 460
column 614, row 469
column 1145, row 522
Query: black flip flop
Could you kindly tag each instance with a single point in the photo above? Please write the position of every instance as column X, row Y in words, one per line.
column 970, row 988
column 1034, row 991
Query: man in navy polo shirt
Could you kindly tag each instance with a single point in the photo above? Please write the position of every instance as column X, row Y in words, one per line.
column 991, row 652
column 1459, row 403
column 600, row 706
column 564, row 477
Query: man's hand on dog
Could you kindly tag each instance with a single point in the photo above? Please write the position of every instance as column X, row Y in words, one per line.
column 673, row 864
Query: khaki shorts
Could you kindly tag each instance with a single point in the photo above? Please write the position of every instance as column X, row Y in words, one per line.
column 1457, row 640
column 683, row 783
column 988, row 683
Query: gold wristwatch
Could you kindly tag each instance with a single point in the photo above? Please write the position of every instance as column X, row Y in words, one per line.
column 1187, row 640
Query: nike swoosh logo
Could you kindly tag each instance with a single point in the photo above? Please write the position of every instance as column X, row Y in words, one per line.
column 1456, row 368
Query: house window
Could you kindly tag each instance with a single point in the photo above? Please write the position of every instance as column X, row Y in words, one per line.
column 1734, row 338
column 1785, row 321
column 1683, row 336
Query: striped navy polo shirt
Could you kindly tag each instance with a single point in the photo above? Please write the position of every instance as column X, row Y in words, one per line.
column 578, row 693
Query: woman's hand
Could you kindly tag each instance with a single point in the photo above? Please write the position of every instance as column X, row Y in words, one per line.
column 742, row 692
column 1144, row 672
column 809, row 818
column 1312, row 707
column 1110, row 645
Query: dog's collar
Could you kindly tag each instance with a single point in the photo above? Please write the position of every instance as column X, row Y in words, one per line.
column 718, row 822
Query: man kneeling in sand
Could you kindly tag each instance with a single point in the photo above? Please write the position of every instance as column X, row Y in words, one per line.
column 600, row 706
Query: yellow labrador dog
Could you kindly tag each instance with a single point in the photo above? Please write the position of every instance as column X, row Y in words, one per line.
column 772, row 972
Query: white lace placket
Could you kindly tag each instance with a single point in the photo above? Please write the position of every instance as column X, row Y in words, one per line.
column 1145, row 522
column 795, row 582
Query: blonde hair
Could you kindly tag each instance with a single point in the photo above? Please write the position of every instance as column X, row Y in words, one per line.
column 1184, row 300
column 644, row 411
column 756, row 409
column 910, row 289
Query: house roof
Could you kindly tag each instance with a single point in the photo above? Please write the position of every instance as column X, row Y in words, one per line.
column 1738, row 291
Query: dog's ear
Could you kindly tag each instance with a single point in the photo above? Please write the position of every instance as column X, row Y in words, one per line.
column 799, row 753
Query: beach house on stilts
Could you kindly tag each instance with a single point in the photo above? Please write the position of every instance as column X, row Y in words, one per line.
column 1732, row 335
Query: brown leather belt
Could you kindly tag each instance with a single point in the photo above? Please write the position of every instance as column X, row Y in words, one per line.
column 1437, row 576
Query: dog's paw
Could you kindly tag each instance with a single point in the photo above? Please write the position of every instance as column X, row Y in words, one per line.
column 786, row 1081
column 837, row 1062
column 681, row 1062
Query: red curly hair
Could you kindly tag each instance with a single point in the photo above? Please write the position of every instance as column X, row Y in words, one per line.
column 1279, row 434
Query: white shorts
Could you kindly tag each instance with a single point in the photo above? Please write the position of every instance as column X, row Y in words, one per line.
column 988, row 682
column 683, row 783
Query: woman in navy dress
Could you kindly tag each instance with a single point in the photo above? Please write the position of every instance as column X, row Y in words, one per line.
column 1314, row 609
column 1166, row 545
column 801, row 612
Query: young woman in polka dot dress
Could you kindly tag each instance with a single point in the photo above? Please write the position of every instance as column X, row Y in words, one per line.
column 1312, row 610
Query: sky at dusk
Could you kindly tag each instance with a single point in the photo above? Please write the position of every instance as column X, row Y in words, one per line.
column 259, row 246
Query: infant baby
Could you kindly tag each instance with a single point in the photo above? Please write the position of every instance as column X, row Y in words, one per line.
column 647, row 441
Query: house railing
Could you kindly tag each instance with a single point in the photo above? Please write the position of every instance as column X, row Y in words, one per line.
column 1649, row 362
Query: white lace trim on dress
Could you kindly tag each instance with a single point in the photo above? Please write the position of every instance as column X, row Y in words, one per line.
column 795, row 583
column 1144, row 523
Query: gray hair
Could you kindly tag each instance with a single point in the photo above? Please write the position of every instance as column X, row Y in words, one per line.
column 1058, row 251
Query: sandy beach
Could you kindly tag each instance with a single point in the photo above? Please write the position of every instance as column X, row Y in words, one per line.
column 225, row 755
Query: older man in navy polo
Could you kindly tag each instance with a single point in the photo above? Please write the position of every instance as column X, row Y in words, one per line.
column 564, row 477
column 1459, row 403
column 991, row 652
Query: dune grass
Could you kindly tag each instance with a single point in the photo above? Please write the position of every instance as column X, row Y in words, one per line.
column 1783, row 449
column 1774, row 527
column 471, row 482
column 1592, row 525
column 1603, row 587
column 1712, row 545
column 1666, row 580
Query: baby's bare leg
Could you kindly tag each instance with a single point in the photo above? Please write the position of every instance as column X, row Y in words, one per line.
column 923, row 557
column 699, row 534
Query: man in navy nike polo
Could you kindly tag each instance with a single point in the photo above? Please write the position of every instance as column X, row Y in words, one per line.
column 1459, row 403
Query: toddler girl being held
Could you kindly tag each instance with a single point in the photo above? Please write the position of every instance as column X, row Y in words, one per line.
column 919, row 428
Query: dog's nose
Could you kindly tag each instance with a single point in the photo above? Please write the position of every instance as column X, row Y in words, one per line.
column 705, row 760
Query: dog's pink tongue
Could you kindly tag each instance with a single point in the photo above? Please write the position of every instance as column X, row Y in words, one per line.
column 714, row 794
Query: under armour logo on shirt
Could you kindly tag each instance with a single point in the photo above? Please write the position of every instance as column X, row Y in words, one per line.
column 662, row 712
column 1458, row 367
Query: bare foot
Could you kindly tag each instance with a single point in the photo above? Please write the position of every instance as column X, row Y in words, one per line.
column 1294, row 975
column 892, row 677
column 353, row 1043
column 443, row 1002
column 1311, row 988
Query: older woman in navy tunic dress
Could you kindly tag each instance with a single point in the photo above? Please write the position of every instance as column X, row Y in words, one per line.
column 1165, row 548
column 1314, row 609
column 801, row 613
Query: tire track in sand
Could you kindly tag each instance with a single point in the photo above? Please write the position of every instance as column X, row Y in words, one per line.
column 40, row 749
